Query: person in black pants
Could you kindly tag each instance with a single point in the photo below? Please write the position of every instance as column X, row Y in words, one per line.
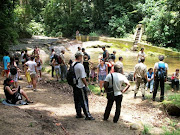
column 175, row 80
column 114, row 82
column 160, row 76
column 81, row 88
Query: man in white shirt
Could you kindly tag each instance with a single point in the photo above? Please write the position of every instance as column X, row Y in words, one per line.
column 120, row 64
column 32, row 68
column 81, row 88
column 140, row 76
column 141, row 55
column 160, row 76
column 115, row 81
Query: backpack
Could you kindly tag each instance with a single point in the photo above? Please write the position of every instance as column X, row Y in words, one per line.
column 161, row 73
column 71, row 76
column 59, row 60
column 13, row 70
column 111, row 56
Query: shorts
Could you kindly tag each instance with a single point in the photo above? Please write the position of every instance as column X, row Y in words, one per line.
column 87, row 73
column 33, row 75
column 28, row 77
column 57, row 70
column 7, row 71
column 14, row 77
column 102, row 77
column 39, row 68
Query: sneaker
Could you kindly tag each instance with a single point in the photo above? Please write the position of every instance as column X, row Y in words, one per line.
column 146, row 88
column 79, row 116
column 29, row 86
column 134, row 95
column 150, row 91
column 89, row 118
column 34, row 90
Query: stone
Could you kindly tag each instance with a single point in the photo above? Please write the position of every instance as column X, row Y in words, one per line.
column 134, row 126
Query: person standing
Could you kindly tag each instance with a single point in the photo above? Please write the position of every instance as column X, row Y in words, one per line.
column 22, row 60
column 150, row 79
column 39, row 66
column 140, row 76
column 160, row 76
column 81, row 88
column 51, row 59
column 6, row 64
column 79, row 50
column 105, row 54
column 63, row 66
column 120, row 64
column 175, row 80
column 115, row 81
column 32, row 68
column 141, row 55
column 56, row 65
column 102, row 72
column 85, row 53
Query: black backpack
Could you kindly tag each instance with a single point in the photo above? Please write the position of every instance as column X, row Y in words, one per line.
column 71, row 76
column 13, row 70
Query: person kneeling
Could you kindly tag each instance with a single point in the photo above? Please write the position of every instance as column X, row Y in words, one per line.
column 13, row 95
column 112, row 85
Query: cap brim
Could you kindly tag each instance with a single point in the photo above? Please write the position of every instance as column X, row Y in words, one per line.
column 11, row 81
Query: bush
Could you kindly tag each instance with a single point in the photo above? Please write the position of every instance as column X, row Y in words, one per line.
column 35, row 28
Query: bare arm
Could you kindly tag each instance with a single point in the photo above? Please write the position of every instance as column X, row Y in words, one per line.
column 10, row 91
column 106, row 70
column 41, row 61
column 126, row 88
column 84, row 81
column 134, row 75
column 107, row 55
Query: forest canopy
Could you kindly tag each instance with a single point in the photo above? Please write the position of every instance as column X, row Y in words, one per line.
column 115, row 18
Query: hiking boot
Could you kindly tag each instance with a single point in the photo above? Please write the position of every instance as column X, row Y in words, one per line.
column 143, row 98
column 153, row 99
column 79, row 116
column 161, row 99
column 134, row 95
column 102, row 93
column 89, row 118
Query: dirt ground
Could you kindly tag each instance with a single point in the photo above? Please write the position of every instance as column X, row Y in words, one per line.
column 53, row 113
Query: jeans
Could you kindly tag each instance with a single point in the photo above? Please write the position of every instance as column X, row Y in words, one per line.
column 63, row 72
column 175, row 83
column 151, row 85
column 81, row 101
column 118, row 100
column 157, row 81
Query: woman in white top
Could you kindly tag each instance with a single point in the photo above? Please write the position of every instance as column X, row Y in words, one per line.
column 141, row 55
column 39, row 67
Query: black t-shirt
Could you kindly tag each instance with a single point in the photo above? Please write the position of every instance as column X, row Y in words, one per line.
column 86, row 65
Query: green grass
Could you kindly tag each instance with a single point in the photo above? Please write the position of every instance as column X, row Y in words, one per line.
column 175, row 132
column 173, row 99
column 95, row 89
column 146, row 130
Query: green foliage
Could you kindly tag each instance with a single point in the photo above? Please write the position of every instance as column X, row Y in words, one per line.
column 95, row 89
column 35, row 28
column 174, row 132
column 173, row 100
column 146, row 130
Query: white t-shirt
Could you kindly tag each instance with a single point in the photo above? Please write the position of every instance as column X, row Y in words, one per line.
column 80, row 73
column 156, row 65
column 31, row 66
column 141, row 55
column 118, row 80
column 119, row 63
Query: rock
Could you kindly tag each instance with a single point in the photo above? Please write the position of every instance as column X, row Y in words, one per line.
column 134, row 126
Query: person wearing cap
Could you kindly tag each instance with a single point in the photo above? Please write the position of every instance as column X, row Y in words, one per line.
column 105, row 54
column 115, row 81
column 11, row 93
column 140, row 76
column 81, row 89
column 175, row 80
column 160, row 76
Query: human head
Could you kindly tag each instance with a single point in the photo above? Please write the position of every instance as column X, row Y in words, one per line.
column 52, row 50
column 79, row 48
column 161, row 57
column 70, row 62
column 142, row 49
column 7, row 53
column 150, row 70
column 177, row 70
column 103, row 48
column 32, row 58
column 63, row 51
column 25, row 51
column 114, row 52
column 22, row 51
column 102, row 61
column 83, row 49
column 79, row 56
column 120, row 58
column 8, row 81
column 142, row 60
column 117, row 68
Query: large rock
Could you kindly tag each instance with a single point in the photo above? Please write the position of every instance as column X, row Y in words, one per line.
column 96, row 44
column 134, row 126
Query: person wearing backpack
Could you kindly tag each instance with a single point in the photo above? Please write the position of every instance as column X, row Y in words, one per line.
column 160, row 76
column 113, row 86
column 80, row 87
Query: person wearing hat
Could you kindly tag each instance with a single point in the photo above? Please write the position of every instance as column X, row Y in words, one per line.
column 160, row 76
column 81, row 88
column 115, row 81
column 11, row 93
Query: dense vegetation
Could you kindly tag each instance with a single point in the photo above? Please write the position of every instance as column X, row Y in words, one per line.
column 117, row 18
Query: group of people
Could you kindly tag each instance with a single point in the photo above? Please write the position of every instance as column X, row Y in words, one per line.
column 110, row 75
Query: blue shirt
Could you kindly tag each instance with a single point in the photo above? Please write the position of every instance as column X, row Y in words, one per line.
column 6, row 60
column 150, row 75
